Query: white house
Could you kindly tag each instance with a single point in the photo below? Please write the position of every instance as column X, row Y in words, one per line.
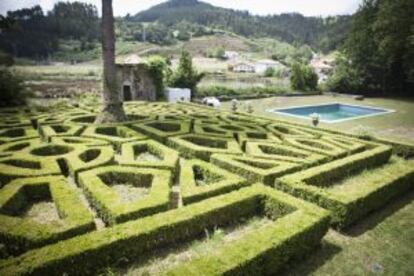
column 230, row 55
column 262, row 65
column 243, row 67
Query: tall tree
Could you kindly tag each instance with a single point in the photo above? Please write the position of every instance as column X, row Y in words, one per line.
column 112, row 106
column 380, row 47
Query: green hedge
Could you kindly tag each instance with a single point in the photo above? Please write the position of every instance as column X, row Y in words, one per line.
column 291, row 233
column 317, row 145
column 212, row 130
column 161, row 130
column 74, row 140
column 168, row 158
column 39, row 158
column 200, row 180
column 252, row 92
column 115, row 134
column 54, row 130
column 255, row 169
column 20, row 234
column 22, row 164
column 111, row 207
column 235, row 118
column 202, row 146
column 322, row 184
column 13, row 120
column 284, row 129
column 17, row 134
column 256, row 136
column 276, row 151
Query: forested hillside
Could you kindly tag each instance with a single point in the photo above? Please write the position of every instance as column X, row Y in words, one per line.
column 70, row 31
column 321, row 33
column 31, row 33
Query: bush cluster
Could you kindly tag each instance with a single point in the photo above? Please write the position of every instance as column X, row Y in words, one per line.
column 11, row 89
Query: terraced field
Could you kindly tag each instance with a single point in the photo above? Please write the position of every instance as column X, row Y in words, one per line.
column 150, row 195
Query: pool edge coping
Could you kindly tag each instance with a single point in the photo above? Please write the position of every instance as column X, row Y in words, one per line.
column 386, row 111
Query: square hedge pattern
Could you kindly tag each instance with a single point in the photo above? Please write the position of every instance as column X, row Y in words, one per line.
column 74, row 217
column 76, row 196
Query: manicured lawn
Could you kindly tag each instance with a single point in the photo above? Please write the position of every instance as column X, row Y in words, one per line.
column 398, row 125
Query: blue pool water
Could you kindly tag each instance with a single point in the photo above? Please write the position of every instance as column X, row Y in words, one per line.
column 332, row 113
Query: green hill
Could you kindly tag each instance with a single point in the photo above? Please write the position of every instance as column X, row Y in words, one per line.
column 324, row 34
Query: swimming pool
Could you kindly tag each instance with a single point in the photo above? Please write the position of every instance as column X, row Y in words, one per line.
column 332, row 112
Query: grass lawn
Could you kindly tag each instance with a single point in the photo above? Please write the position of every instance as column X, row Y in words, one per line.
column 398, row 125
column 380, row 244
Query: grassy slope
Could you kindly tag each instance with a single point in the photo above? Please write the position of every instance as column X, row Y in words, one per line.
column 198, row 46
column 380, row 244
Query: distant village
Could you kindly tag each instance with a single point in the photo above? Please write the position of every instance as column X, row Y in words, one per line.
column 239, row 64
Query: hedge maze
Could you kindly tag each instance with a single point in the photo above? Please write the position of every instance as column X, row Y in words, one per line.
column 76, row 197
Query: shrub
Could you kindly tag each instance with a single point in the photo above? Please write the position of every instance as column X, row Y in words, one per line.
column 11, row 89
column 303, row 78
column 252, row 92
column 6, row 59
column 159, row 71
column 186, row 75
column 270, row 72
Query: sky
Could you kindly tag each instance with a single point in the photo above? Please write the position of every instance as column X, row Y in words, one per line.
column 261, row 7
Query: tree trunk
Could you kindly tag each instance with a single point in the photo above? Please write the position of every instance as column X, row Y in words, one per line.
column 112, row 106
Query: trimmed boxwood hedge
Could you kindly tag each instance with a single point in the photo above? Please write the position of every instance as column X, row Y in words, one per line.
column 276, row 151
column 255, row 169
column 256, row 136
column 202, row 146
column 298, row 226
column 13, row 121
column 212, row 130
column 200, row 180
column 315, row 184
column 317, row 145
column 115, row 134
column 17, row 134
column 20, row 234
column 97, row 184
column 168, row 157
column 74, row 141
column 160, row 130
column 289, row 130
column 39, row 158
column 49, row 131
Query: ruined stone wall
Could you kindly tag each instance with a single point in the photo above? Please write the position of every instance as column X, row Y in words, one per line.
column 141, row 84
